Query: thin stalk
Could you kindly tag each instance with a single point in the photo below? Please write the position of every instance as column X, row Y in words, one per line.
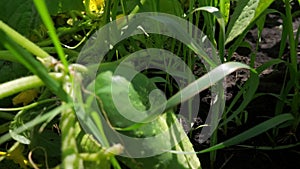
column 6, row 55
column 293, row 51
column 137, row 8
column 188, row 60
column 43, row 11
column 24, row 83
column 25, row 43
column 33, row 65
column 28, row 106
column 65, row 31
column 293, row 72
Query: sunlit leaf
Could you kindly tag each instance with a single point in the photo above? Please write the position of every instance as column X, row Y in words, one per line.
column 245, row 13
column 241, row 18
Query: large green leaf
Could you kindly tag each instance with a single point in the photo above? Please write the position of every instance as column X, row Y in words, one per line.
column 225, row 9
column 23, row 16
column 244, row 14
column 48, row 139
column 11, row 70
column 20, row 14
column 262, row 6
column 171, row 7
column 241, row 18
column 61, row 6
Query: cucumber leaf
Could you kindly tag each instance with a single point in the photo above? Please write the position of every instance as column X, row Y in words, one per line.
column 20, row 15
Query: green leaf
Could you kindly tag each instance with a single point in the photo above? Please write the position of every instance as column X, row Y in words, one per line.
column 262, row 6
column 258, row 129
column 221, row 21
column 248, row 91
column 23, row 117
column 43, row 11
column 241, row 18
column 63, row 6
column 241, row 37
column 225, row 9
column 49, row 140
column 244, row 14
column 205, row 81
column 11, row 70
column 20, row 14
column 68, row 5
column 172, row 7
column 268, row 64
column 53, row 6
column 46, row 144
column 34, row 122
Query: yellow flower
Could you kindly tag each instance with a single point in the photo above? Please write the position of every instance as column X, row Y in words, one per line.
column 15, row 153
column 96, row 5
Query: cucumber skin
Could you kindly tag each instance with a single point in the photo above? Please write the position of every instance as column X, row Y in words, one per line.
column 166, row 160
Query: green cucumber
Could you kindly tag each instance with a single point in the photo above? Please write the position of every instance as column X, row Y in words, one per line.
column 139, row 89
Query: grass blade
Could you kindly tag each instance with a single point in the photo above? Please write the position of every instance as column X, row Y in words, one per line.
column 248, row 92
column 194, row 88
column 43, row 11
column 258, row 129
column 220, row 19
column 204, row 82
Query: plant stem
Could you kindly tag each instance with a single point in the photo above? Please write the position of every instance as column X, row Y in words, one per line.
column 24, row 42
column 28, row 106
column 43, row 11
column 6, row 55
column 293, row 51
column 25, row 83
column 293, row 72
